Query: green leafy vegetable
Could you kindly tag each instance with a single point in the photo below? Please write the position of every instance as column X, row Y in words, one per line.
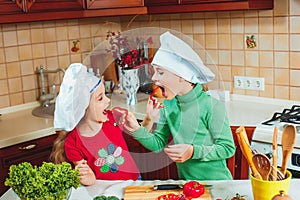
column 48, row 181
column 102, row 197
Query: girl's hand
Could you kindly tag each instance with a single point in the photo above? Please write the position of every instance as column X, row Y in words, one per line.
column 131, row 124
column 179, row 152
column 87, row 176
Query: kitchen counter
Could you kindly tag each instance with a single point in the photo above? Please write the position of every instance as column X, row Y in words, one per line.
column 17, row 124
column 220, row 189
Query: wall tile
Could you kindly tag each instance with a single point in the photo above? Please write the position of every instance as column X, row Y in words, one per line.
column 268, row 92
column 265, row 42
column 251, row 25
column 73, row 32
column 252, row 58
column 61, row 33
column 30, row 96
column 27, row 67
column 237, row 41
column 294, row 60
column 295, row 42
column 295, row 93
column 281, row 59
column 211, row 41
column 13, row 69
column 28, row 82
column 281, row 92
column 295, row 24
column 267, row 73
column 38, row 50
column 294, row 7
column 281, row 24
column 281, row 7
column 51, row 49
column 16, row 99
column 266, row 59
column 23, row 37
column 3, row 73
column 294, row 77
column 4, row 101
column 225, row 57
column 3, row 87
column 210, row 26
column 237, row 58
column 237, row 25
column 223, row 25
column 265, row 25
column 2, row 58
column 224, row 41
column 14, row 85
column 49, row 34
column 9, row 38
column 37, row 35
column 25, row 52
column 281, row 42
column 198, row 26
column 282, row 77
column 11, row 54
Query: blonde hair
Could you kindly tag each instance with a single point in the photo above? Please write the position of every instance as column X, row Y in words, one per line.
column 58, row 155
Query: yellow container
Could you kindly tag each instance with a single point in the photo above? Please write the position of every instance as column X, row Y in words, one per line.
column 265, row 190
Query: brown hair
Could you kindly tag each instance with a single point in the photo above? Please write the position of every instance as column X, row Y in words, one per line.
column 58, row 155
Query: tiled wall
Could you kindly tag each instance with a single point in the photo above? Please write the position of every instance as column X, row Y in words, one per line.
column 23, row 47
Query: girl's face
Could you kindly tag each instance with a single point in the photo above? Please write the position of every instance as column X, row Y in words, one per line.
column 98, row 104
column 167, row 81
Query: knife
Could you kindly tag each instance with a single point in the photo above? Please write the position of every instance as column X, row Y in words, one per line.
column 172, row 186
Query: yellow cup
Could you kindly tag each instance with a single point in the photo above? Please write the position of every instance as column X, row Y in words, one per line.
column 265, row 190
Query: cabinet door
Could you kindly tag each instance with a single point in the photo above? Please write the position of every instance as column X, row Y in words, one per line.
column 160, row 2
column 95, row 4
column 54, row 5
column 9, row 7
column 35, row 152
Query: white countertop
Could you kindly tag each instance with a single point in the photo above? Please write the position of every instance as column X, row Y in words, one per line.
column 17, row 124
column 220, row 189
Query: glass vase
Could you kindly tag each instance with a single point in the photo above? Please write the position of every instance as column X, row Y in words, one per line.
column 131, row 84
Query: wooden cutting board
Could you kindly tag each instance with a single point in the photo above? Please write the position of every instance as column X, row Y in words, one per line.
column 146, row 192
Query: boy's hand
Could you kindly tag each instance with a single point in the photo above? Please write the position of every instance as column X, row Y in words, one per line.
column 179, row 152
column 131, row 124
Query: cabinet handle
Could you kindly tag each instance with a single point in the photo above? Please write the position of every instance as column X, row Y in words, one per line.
column 28, row 147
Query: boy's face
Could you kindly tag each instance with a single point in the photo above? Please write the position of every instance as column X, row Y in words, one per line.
column 167, row 81
column 98, row 104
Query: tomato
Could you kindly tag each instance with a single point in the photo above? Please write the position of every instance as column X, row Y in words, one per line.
column 170, row 196
column 193, row 189
column 238, row 197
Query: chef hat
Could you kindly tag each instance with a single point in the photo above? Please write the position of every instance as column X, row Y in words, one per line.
column 74, row 96
column 179, row 58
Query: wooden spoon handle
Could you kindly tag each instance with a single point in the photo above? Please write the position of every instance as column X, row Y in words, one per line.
column 274, row 154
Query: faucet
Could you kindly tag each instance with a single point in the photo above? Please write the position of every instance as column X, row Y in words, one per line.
column 46, row 98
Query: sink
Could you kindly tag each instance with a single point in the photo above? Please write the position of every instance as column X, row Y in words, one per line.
column 44, row 112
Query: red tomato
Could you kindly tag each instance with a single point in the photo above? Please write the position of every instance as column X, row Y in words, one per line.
column 193, row 189
column 170, row 196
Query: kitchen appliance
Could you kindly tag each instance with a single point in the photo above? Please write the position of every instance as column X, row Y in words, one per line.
column 263, row 135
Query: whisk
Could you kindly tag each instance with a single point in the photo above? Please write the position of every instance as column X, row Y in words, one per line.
column 278, row 176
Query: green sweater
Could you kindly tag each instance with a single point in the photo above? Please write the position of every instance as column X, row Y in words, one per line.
column 198, row 119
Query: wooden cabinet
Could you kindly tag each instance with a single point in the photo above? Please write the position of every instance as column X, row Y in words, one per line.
column 35, row 152
column 96, row 4
column 179, row 6
column 159, row 166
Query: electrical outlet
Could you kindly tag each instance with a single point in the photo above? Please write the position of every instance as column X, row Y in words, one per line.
column 239, row 82
column 249, row 83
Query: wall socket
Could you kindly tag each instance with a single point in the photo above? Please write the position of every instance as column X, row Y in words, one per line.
column 249, row 83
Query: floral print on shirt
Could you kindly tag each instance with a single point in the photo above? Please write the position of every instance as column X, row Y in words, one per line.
column 110, row 159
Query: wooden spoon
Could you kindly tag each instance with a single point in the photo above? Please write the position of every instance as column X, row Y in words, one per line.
column 263, row 165
column 287, row 141
column 274, row 154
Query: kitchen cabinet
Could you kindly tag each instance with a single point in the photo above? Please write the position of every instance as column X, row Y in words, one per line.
column 158, row 166
column 180, row 6
column 96, row 4
column 34, row 151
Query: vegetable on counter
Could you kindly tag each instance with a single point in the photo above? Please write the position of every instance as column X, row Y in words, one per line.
column 49, row 181
column 102, row 197
column 193, row 189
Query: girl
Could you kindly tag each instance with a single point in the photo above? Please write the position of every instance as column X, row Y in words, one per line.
column 89, row 136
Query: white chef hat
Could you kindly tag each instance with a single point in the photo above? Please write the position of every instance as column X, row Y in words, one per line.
column 74, row 96
column 179, row 58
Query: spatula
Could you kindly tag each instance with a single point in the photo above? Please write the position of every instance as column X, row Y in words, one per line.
column 287, row 141
column 245, row 148
column 263, row 165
